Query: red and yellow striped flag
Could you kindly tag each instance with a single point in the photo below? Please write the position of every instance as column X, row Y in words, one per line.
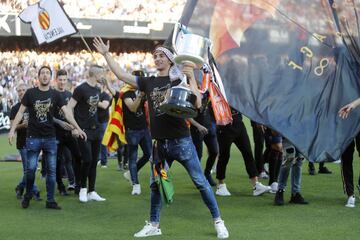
column 115, row 127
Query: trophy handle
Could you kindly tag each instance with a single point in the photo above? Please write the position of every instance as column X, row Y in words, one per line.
column 177, row 29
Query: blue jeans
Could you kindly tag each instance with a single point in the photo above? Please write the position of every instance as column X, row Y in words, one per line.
column 134, row 138
column 22, row 183
column 103, row 149
column 49, row 148
column 183, row 150
column 292, row 159
column 211, row 142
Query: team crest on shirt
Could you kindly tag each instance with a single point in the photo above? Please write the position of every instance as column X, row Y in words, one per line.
column 42, row 108
column 157, row 97
column 93, row 102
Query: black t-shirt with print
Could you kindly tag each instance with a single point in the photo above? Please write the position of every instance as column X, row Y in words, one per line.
column 133, row 121
column 162, row 125
column 41, row 106
column 20, row 133
column 103, row 114
column 86, row 109
column 59, row 114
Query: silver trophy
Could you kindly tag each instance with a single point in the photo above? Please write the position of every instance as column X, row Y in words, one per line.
column 189, row 48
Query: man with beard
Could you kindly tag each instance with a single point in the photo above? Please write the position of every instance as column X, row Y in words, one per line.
column 41, row 103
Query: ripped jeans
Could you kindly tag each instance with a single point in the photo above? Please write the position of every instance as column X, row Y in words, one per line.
column 182, row 150
column 292, row 160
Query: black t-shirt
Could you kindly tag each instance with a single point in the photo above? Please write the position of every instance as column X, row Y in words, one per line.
column 86, row 109
column 162, row 126
column 21, row 133
column 59, row 114
column 103, row 114
column 41, row 106
column 134, row 121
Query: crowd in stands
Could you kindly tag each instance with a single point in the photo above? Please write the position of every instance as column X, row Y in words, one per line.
column 22, row 66
column 134, row 10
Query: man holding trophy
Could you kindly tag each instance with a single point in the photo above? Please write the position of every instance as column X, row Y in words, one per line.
column 172, row 135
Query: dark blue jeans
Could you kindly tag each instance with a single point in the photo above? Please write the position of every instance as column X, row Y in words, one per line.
column 22, row 183
column 49, row 148
column 135, row 138
column 182, row 150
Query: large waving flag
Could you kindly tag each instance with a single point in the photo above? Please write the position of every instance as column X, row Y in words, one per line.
column 49, row 21
column 288, row 64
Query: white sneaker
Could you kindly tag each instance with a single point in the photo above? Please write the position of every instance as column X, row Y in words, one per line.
column 93, row 196
column 136, row 189
column 263, row 175
column 148, row 230
column 221, row 230
column 83, row 195
column 222, row 190
column 350, row 202
column 274, row 187
column 127, row 176
column 260, row 189
column 104, row 166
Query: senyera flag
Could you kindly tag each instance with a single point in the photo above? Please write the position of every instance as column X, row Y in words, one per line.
column 49, row 21
column 287, row 64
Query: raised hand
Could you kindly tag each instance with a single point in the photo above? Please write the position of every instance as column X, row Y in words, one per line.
column 100, row 46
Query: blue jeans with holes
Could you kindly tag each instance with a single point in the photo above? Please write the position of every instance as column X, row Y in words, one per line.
column 182, row 150
column 49, row 148
column 135, row 138
column 292, row 160
column 22, row 183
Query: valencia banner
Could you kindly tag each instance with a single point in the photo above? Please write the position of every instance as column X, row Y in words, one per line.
column 48, row 20
column 287, row 64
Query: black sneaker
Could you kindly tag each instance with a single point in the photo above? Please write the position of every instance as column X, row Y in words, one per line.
column 324, row 170
column 210, row 180
column 52, row 205
column 279, row 197
column 19, row 192
column 311, row 169
column 297, row 199
column 26, row 201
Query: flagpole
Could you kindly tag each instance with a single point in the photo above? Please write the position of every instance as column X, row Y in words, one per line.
column 87, row 46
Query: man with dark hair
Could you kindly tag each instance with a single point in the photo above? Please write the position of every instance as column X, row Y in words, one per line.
column 136, row 129
column 21, row 143
column 41, row 103
column 172, row 135
column 84, row 102
column 65, row 140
